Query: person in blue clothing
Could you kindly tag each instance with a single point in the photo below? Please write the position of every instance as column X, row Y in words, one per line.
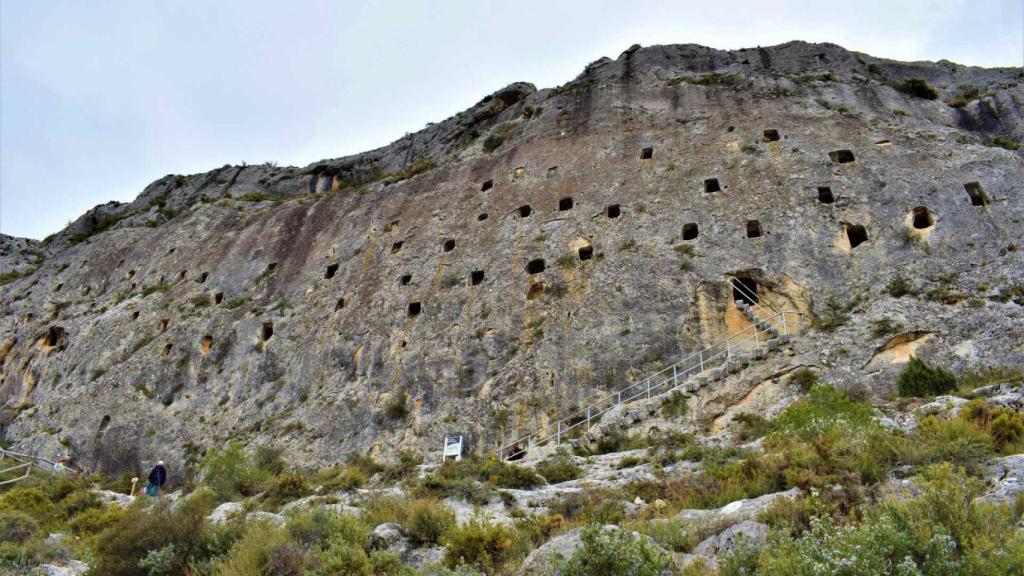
column 157, row 478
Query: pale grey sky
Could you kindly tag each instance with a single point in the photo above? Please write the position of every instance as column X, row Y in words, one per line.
column 97, row 99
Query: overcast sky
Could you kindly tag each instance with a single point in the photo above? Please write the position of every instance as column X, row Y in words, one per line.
column 98, row 99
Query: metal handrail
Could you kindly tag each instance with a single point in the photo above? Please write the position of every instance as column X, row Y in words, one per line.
column 698, row 362
column 24, row 457
column 28, row 470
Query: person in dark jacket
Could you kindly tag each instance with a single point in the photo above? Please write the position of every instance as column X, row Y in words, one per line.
column 157, row 478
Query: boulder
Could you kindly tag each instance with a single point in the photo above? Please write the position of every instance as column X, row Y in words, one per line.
column 738, row 511
column 538, row 563
column 1007, row 477
column 275, row 519
column 72, row 568
column 388, row 536
column 726, row 541
column 225, row 512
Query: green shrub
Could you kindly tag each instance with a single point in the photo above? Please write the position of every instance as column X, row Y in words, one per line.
column 1001, row 141
column 428, row 522
column 607, row 552
column 30, row 501
column 944, row 530
column 16, row 526
column 804, row 378
column 920, row 379
column 397, row 408
column 918, row 88
column 900, row 286
column 480, row 544
column 251, row 555
column 559, row 468
column 268, row 458
column 231, row 473
column 318, row 527
column 675, row 406
column 498, row 136
column 128, row 540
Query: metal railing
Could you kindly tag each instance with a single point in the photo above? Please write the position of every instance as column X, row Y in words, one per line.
column 717, row 354
column 27, row 461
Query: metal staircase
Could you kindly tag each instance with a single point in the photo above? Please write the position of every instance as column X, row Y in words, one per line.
column 769, row 331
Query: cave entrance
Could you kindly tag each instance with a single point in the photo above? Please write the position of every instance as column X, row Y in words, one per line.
column 841, row 156
column 744, row 289
column 202, row 277
column 482, row 217
column 396, row 247
column 535, row 266
column 565, row 204
column 267, row 331
column 218, row 297
column 414, row 309
column 771, row 135
column 976, row 193
column 536, row 291
column 487, row 185
column 647, row 153
column 922, row 218
column 163, row 324
column 690, row 231
column 449, row 245
column 712, row 185
column 206, row 344
column 825, row 195
column 340, row 304
column 754, row 229
column 332, row 269
column 404, row 279
column 613, row 211
column 55, row 336
column 856, row 234
column 524, row 211
column 476, row 277
column 585, row 252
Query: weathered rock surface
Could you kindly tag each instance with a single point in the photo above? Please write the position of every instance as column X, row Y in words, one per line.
column 747, row 533
column 738, row 511
column 563, row 546
column 1007, row 477
column 299, row 306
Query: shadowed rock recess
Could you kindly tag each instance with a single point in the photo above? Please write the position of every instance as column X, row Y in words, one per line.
column 496, row 270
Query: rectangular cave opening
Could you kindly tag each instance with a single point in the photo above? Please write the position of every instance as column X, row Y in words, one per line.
column 267, row 331
column 690, row 231
column 415, row 308
column 340, row 304
column 218, row 297
column 565, row 204
column 535, row 266
column 396, row 247
column 825, row 195
column 922, row 218
column 476, row 277
column 647, row 153
column 976, row 194
column 332, row 269
column 754, row 229
column 856, row 234
column 487, row 185
column 841, row 156
column 524, row 210
column 744, row 289
column 585, row 252
column 449, row 245
column 613, row 211
column 405, row 279
column 712, row 185
column 771, row 135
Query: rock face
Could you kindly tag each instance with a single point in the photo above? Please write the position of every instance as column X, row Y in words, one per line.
column 486, row 274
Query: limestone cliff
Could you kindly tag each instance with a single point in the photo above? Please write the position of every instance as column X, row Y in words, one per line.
column 493, row 270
